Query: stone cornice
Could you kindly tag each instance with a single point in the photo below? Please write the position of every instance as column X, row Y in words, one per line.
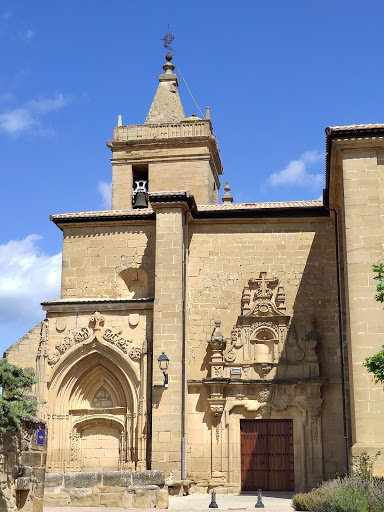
column 172, row 199
column 86, row 304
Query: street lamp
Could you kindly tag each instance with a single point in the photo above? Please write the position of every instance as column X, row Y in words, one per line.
column 163, row 365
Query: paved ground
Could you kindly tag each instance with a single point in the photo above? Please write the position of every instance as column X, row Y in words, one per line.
column 279, row 501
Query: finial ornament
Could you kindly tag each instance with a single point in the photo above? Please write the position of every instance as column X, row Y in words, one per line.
column 227, row 198
column 168, row 38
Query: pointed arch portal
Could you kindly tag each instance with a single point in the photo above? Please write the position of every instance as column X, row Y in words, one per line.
column 94, row 405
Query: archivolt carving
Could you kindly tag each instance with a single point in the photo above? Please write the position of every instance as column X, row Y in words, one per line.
column 115, row 338
column 79, row 336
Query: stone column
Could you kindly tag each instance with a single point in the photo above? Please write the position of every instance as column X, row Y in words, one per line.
column 41, row 388
column 142, row 412
column 168, row 334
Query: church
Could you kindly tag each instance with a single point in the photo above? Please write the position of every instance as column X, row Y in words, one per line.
column 220, row 342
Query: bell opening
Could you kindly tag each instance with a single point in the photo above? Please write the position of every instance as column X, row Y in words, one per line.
column 140, row 186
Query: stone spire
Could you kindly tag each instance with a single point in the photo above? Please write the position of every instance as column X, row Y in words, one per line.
column 166, row 105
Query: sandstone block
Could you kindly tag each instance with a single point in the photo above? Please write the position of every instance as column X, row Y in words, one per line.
column 162, row 498
column 128, row 498
column 84, row 498
column 56, row 499
column 142, row 499
column 117, row 478
column 31, row 459
column 54, row 480
column 152, row 477
column 86, row 479
column 112, row 499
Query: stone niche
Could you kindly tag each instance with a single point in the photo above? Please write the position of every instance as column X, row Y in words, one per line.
column 263, row 343
column 122, row 489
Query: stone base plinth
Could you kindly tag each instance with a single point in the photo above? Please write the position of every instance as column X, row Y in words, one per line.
column 122, row 489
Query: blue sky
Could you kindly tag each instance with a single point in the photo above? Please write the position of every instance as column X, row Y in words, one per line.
column 275, row 74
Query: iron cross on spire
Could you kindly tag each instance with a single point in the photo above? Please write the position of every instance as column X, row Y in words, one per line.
column 168, row 38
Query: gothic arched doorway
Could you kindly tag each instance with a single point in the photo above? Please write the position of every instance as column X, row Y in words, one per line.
column 94, row 425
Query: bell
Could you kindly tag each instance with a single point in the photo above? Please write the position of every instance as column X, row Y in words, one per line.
column 140, row 194
column 140, row 200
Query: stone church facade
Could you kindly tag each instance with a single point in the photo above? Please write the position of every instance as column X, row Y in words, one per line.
column 265, row 312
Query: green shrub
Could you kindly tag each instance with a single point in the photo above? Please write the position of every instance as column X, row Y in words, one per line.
column 377, row 495
column 362, row 465
column 16, row 401
column 315, row 500
column 347, row 499
column 349, row 494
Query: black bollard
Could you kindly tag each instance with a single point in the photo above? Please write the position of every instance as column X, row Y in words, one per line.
column 259, row 503
column 213, row 503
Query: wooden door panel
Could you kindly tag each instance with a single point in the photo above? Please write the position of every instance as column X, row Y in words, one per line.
column 267, row 455
column 254, row 447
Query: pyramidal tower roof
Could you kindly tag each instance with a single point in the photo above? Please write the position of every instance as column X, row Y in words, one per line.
column 166, row 105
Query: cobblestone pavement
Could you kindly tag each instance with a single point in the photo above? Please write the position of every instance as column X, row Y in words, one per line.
column 235, row 503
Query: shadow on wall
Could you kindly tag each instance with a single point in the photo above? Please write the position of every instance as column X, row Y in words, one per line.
column 132, row 283
column 316, row 308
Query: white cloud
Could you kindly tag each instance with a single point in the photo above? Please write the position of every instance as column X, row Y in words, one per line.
column 28, row 34
column 296, row 172
column 28, row 276
column 18, row 120
column 45, row 105
column 105, row 190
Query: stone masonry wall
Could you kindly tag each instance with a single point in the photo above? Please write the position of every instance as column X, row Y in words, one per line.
column 23, row 352
column 22, row 470
column 223, row 256
column 123, row 489
column 93, row 257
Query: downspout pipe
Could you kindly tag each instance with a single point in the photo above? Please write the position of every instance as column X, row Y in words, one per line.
column 183, row 347
column 342, row 364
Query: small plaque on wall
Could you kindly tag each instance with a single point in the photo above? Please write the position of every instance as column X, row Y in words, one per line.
column 236, row 370
column 40, row 437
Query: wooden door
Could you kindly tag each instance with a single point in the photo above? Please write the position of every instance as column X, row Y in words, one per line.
column 267, row 455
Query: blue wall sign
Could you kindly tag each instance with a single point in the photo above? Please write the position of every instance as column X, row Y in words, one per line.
column 41, row 437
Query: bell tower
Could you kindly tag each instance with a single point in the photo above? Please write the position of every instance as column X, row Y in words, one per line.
column 169, row 152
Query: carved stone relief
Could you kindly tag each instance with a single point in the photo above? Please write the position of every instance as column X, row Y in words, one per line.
column 265, row 393
column 311, row 341
column 110, row 335
column 258, row 338
column 315, row 413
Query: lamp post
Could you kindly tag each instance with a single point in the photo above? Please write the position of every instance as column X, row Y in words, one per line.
column 163, row 365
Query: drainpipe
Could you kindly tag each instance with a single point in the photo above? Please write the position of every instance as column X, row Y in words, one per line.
column 346, row 458
column 183, row 350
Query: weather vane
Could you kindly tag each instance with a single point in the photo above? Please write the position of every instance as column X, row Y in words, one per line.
column 168, row 38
